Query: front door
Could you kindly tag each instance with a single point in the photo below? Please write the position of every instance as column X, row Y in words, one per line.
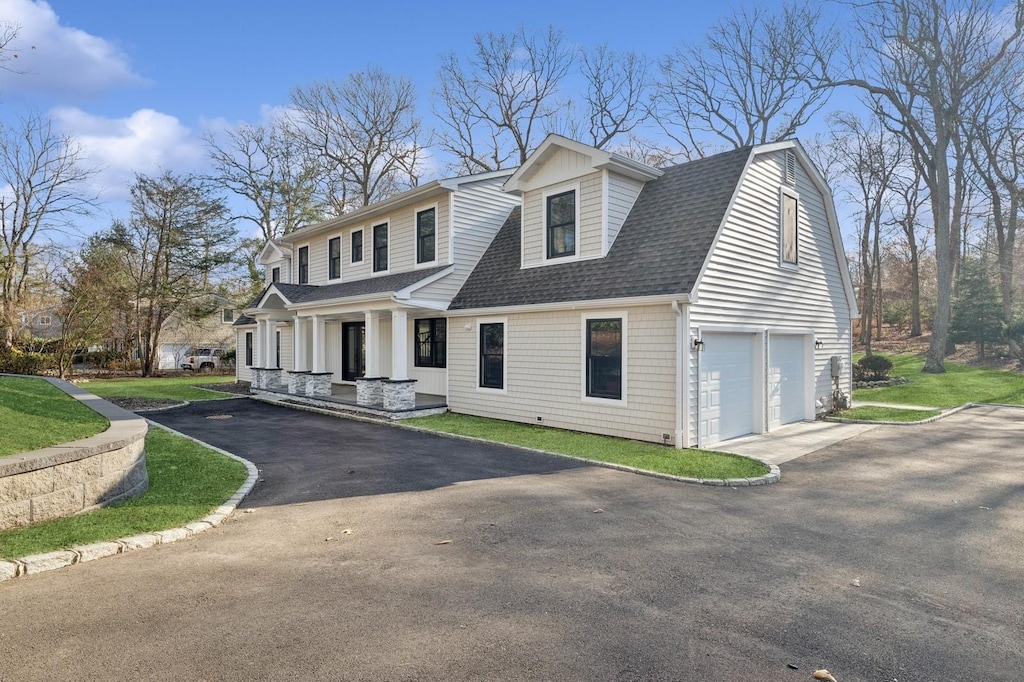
column 353, row 350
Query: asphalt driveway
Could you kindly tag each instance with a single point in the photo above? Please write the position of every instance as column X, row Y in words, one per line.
column 896, row 555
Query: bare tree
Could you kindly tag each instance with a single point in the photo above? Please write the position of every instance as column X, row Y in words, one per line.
column 757, row 77
column 613, row 104
column 269, row 169
column 869, row 158
column 909, row 199
column 42, row 188
column 922, row 62
column 494, row 108
column 366, row 129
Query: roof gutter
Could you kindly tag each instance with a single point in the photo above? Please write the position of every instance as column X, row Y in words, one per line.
column 661, row 299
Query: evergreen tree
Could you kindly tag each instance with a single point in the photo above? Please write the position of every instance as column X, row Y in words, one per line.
column 977, row 313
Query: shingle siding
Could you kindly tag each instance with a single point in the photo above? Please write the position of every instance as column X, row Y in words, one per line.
column 544, row 353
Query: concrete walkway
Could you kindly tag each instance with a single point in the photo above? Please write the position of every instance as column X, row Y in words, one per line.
column 793, row 440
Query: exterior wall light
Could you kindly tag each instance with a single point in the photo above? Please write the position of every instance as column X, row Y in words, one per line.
column 698, row 345
column 819, row 344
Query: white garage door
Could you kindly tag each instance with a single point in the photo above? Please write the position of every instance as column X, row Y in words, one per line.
column 726, row 387
column 787, row 379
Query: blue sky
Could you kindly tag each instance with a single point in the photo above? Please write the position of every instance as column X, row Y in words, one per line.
column 139, row 82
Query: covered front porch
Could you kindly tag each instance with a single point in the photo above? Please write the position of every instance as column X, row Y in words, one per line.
column 364, row 354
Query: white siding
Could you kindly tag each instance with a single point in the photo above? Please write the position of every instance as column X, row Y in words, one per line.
column 562, row 165
column 744, row 285
column 622, row 193
column 332, row 332
column 242, row 372
column 401, row 243
column 478, row 211
column 544, row 353
column 590, row 208
column 284, row 264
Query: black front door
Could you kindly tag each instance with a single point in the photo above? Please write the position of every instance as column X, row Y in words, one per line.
column 353, row 350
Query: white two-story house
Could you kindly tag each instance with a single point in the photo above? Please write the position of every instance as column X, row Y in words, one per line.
column 363, row 297
column 685, row 306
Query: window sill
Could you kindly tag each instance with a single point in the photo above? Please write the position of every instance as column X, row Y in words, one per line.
column 493, row 391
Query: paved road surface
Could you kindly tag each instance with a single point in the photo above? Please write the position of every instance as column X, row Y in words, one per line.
column 666, row 582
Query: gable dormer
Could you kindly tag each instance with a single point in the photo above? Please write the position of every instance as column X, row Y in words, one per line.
column 276, row 260
column 574, row 200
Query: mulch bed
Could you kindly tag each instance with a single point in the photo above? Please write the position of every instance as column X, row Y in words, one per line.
column 142, row 404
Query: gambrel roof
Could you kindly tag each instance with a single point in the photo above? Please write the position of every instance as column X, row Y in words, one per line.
column 659, row 250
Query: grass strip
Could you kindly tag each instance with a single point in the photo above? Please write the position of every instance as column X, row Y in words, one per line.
column 959, row 385
column 647, row 456
column 36, row 414
column 873, row 413
column 174, row 388
column 186, row 482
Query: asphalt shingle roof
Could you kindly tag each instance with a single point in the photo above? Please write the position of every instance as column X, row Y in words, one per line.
column 659, row 249
column 306, row 293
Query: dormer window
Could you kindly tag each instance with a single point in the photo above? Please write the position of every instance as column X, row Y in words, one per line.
column 560, row 216
column 275, row 274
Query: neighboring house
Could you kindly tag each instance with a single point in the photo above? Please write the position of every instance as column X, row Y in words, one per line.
column 685, row 306
column 41, row 323
column 179, row 335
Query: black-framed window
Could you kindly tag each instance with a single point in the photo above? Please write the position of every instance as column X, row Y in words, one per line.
column 303, row 265
column 334, row 258
column 604, row 358
column 431, row 342
column 790, row 233
column 248, row 349
column 561, row 224
column 227, row 315
column 380, row 247
column 426, row 236
column 492, row 355
column 275, row 274
column 357, row 246
column 277, row 350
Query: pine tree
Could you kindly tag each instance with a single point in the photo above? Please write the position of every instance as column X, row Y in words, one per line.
column 977, row 311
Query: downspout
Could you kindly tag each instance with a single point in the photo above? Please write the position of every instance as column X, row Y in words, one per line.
column 682, row 375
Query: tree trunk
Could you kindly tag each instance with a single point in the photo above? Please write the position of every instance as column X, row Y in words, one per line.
column 915, row 290
column 934, row 362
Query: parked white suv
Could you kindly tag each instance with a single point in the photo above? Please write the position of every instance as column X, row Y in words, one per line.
column 202, row 359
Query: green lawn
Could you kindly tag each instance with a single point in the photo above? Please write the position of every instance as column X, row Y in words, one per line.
column 872, row 413
column 35, row 414
column 174, row 388
column 647, row 456
column 960, row 384
column 186, row 482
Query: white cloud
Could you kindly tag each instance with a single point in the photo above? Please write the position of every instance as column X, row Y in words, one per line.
column 59, row 60
column 146, row 142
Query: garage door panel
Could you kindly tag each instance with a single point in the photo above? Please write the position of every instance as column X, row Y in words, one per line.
column 787, row 379
column 727, row 386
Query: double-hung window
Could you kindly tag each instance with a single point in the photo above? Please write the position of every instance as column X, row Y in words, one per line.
column 303, row 265
column 431, row 342
column 357, row 246
column 604, row 344
column 560, row 220
column 426, row 236
column 334, row 258
column 275, row 274
column 492, row 355
column 380, row 247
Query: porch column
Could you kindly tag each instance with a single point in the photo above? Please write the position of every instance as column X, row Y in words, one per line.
column 301, row 362
column 319, row 345
column 399, row 345
column 271, row 359
column 372, row 343
column 261, row 340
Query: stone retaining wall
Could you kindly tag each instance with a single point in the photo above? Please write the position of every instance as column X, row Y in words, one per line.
column 67, row 479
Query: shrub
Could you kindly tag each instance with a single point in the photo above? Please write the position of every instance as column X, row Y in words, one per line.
column 19, row 362
column 872, row 368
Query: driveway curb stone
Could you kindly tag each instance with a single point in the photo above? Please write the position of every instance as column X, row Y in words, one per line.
column 38, row 563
